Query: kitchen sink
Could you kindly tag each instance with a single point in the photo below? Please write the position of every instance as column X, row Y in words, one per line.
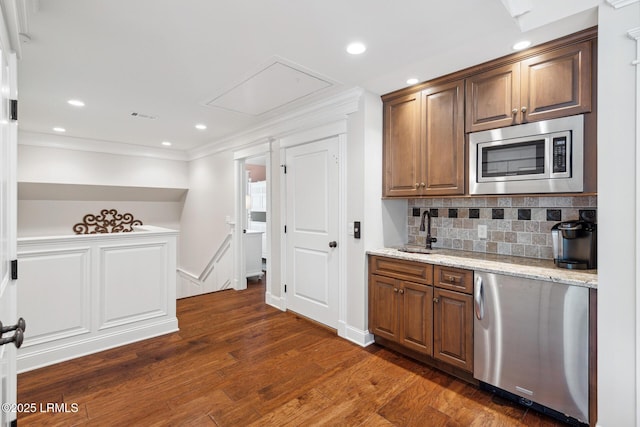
column 415, row 250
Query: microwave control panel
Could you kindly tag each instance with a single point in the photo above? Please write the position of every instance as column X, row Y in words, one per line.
column 560, row 154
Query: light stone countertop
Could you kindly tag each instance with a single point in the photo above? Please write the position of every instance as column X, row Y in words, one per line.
column 530, row 268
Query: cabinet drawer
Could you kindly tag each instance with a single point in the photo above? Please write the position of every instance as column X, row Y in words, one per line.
column 400, row 269
column 452, row 278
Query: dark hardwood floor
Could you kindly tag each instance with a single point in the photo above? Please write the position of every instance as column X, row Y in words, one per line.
column 239, row 362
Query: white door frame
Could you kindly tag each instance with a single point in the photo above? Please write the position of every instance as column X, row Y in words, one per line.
column 9, row 315
column 240, row 191
column 335, row 129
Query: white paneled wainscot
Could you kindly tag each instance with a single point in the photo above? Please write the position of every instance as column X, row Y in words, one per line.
column 81, row 294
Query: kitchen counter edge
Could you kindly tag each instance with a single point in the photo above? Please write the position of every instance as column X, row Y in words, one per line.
column 530, row 268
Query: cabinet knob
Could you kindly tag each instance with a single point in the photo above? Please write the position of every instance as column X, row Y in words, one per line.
column 514, row 111
column 417, row 184
column 452, row 279
column 436, row 300
column 401, row 291
column 422, row 184
column 395, row 289
column 524, row 110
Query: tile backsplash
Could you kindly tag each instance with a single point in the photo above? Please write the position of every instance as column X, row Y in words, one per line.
column 519, row 226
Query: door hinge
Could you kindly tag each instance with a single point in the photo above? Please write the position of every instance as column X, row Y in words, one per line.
column 285, row 288
column 284, row 168
column 13, row 109
column 14, row 269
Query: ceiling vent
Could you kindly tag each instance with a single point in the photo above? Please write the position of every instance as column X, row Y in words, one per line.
column 143, row 116
column 271, row 87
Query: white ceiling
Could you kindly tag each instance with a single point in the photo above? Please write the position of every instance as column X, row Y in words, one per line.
column 170, row 58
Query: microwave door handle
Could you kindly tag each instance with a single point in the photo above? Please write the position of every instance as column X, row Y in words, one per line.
column 548, row 161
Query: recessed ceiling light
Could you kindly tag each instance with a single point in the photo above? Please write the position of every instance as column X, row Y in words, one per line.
column 522, row 45
column 59, row 129
column 75, row 103
column 166, row 143
column 356, row 48
column 200, row 126
column 412, row 81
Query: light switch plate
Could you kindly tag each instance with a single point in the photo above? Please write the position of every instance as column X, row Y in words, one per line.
column 482, row 231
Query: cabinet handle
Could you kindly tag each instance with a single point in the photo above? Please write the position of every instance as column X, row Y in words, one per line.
column 514, row 111
column 422, row 184
column 417, row 184
column 453, row 279
column 436, row 300
column 395, row 289
column 401, row 291
column 524, row 110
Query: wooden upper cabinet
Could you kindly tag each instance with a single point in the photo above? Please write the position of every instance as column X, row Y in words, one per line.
column 492, row 97
column 424, row 142
column 546, row 86
column 443, row 139
column 402, row 172
column 557, row 83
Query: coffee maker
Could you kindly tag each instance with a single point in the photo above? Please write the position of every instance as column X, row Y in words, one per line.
column 575, row 244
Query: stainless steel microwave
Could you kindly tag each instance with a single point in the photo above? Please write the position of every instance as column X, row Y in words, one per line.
column 538, row 157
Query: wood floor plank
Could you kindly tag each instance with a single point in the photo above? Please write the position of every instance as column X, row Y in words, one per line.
column 238, row 362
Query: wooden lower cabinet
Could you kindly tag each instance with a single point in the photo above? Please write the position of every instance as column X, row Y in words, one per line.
column 383, row 307
column 425, row 319
column 416, row 317
column 453, row 328
column 402, row 311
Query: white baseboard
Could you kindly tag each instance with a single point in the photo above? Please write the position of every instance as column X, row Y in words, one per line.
column 355, row 335
column 33, row 358
column 277, row 302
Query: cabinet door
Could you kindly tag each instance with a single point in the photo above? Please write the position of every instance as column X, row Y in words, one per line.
column 383, row 307
column 557, row 84
column 453, row 328
column 402, row 163
column 493, row 98
column 416, row 324
column 443, row 139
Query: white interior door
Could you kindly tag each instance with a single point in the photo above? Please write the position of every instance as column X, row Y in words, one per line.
column 312, row 203
column 8, row 206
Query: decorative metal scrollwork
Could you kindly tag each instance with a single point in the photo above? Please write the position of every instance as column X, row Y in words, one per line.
column 108, row 221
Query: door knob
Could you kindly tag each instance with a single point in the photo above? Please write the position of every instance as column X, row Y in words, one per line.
column 333, row 244
column 17, row 339
column 22, row 325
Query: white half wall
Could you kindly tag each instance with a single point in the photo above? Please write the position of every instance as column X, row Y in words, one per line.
column 83, row 294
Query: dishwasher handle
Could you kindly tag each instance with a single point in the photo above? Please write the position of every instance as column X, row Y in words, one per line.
column 478, row 298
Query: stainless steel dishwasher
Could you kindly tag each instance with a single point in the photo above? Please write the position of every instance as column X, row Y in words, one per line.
column 531, row 339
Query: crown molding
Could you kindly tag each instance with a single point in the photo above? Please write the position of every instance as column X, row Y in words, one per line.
column 38, row 139
column 325, row 111
column 621, row 3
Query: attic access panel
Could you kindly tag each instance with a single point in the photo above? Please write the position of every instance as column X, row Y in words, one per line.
column 275, row 86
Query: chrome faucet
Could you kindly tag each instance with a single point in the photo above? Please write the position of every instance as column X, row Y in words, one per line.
column 430, row 239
